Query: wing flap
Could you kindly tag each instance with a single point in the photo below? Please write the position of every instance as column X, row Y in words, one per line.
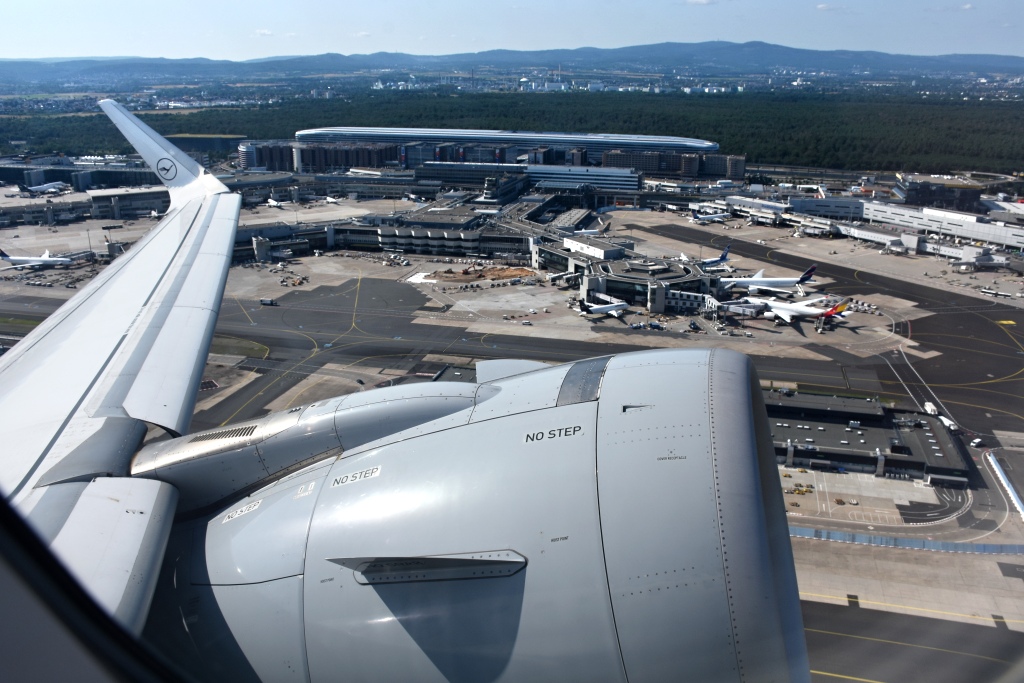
column 114, row 541
column 163, row 390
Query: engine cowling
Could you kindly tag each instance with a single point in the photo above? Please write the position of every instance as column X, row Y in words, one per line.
column 608, row 519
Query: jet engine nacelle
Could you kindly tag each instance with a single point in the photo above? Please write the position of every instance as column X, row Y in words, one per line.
column 618, row 518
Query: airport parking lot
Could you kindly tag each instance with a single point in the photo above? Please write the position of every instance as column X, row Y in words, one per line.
column 871, row 501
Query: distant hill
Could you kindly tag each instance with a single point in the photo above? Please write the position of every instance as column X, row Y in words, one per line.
column 717, row 57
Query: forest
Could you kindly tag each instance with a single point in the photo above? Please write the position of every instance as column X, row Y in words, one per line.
column 831, row 131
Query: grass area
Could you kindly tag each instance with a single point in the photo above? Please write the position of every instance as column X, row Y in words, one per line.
column 17, row 325
column 233, row 346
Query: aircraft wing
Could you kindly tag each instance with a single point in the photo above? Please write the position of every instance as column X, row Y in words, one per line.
column 785, row 315
column 126, row 352
column 778, row 291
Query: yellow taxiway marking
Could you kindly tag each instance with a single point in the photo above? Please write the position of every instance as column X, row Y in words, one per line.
column 243, row 309
column 845, row 678
column 922, row 647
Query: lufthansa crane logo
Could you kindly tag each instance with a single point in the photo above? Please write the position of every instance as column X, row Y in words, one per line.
column 167, row 169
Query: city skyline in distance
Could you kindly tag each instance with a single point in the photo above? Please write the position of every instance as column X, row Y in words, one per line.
column 309, row 27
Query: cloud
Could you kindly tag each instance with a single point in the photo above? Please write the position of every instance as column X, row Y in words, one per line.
column 363, row 34
column 966, row 7
column 263, row 32
column 824, row 7
column 701, row 2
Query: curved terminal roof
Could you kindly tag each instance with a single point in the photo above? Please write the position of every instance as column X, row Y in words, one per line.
column 592, row 141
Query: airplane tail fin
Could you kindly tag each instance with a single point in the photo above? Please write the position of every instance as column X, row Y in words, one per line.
column 4, row 254
column 725, row 253
column 838, row 309
column 584, row 306
column 175, row 169
column 46, row 254
column 23, row 188
column 694, row 214
column 807, row 274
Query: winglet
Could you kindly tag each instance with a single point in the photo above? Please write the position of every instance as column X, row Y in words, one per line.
column 175, row 169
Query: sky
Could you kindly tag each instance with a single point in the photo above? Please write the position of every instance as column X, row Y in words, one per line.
column 264, row 28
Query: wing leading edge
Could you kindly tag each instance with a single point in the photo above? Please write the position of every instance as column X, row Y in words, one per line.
column 127, row 350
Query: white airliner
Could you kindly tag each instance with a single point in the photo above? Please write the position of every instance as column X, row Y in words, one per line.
column 785, row 313
column 273, row 203
column 707, row 263
column 613, row 309
column 44, row 261
column 369, row 536
column 705, row 218
column 47, row 188
column 757, row 283
column 331, row 200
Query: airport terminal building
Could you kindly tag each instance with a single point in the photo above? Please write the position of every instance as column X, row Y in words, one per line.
column 418, row 145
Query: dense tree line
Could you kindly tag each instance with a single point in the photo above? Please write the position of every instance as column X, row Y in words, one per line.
column 843, row 132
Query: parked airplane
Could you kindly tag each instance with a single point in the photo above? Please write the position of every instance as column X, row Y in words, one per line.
column 757, row 283
column 707, row 263
column 786, row 313
column 370, row 534
column 273, row 203
column 705, row 218
column 47, row 188
column 44, row 261
column 331, row 200
column 613, row 309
